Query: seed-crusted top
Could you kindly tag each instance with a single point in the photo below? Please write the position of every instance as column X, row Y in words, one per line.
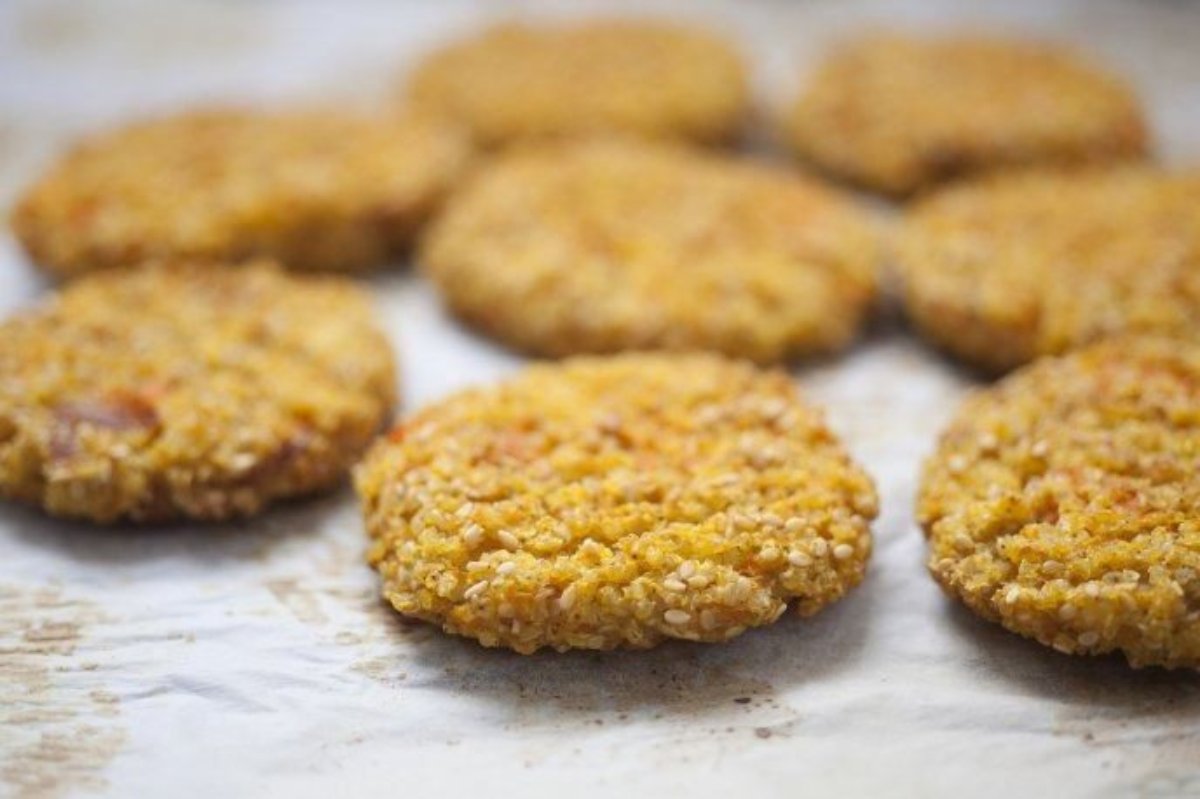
column 614, row 502
column 1064, row 502
column 518, row 82
column 1002, row 270
column 899, row 113
column 188, row 391
column 312, row 189
column 608, row 245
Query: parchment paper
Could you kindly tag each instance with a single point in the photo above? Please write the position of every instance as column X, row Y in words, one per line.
column 255, row 659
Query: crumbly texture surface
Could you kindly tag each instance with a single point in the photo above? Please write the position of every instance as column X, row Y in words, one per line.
column 615, row 502
column 519, row 82
column 1064, row 502
column 606, row 245
column 899, row 113
column 314, row 190
column 1002, row 270
column 190, row 391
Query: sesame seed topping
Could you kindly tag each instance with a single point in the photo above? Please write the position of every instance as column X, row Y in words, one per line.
column 567, row 599
column 819, row 547
column 798, row 558
column 508, row 540
column 475, row 590
column 843, row 551
column 676, row 616
column 507, row 567
column 672, row 584
column 687, row 569
column 1089, row 638
column 1012, row 595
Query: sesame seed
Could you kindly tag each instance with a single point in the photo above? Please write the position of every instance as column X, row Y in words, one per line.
column 1089, row 638
column 475, row 590
column 473, row 535
column 676, row 616
column 794, row 525
column 508, row 567
column 843, row 551
column 508, row 540
column 708, row 619
column 956, row 464
column 698, row 581
column 1067, row 612
column 567, row 599
column 819, row 547
column 798, row 558
column 1039, row 449
column 672, row 584
column 1091, row 589
column 1012, row 596
column 687, row 569
column 242, row 461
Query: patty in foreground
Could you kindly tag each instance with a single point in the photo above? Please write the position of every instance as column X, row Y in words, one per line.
column 191, row 391
column 1064, row 502
column 616, row 502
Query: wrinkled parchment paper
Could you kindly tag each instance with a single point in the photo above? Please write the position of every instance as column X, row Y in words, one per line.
column 256, row 660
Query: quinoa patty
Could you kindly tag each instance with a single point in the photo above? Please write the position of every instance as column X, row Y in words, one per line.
column 1003, row 270
column 518, row 82
column 900, row 113
column 313, row 190
column 615, row 502
column 188, row 391
column 1064, row 502
column 607, row 245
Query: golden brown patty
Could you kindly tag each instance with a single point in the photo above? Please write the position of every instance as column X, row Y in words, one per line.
column 314, row 190
column 188, row 391
column 1003, row 270
column 900, row 113
column 615, row 502
column 650, row 79
column 1065, row 502
column 603, row 246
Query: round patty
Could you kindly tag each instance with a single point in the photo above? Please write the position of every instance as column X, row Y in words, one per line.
column 1064, row 502
column 900, row 113
column 313, row 190
column 188, row 391
column 602, row 246
column 517, row 82
column 615, row 502
column 1003, row 270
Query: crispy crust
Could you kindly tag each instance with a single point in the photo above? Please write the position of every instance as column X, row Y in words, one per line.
column 1000, row 271
column 516, row 82
column 313, row 190
column 900, row 113
column 188, row 391
column 606, row 245
column 1064, row 502
column 615, row 502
